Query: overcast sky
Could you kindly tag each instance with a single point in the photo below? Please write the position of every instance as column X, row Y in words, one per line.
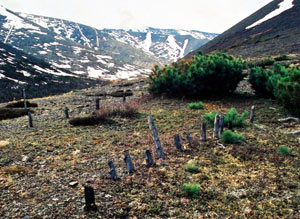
column 204, row 15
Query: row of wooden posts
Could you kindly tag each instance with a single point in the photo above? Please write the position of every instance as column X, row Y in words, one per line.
column 218, row 129
column 217, row 132
column 66, row 110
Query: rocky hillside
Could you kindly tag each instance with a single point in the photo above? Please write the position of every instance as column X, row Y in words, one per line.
column 19, row 70
column 273, row 30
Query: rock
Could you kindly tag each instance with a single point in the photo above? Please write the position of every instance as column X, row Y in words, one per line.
column 76, row 152
column 26, row 158
column 73, row 184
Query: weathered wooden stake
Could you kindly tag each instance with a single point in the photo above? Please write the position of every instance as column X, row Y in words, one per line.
column 113, row 171
column 252, row 114
column 67, row 112
column 159, row 148
column 89, row 198
column 216, row 126
column 221, row 125
column 124, row 98
column 189, row 139
column 24, row 97
column 128, row 162
column 177, row 142
column 203, row 132
column 30, row 120
column 149, row 159
column 230, row 125
column 97, row 104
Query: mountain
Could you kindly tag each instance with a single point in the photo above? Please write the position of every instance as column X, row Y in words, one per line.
column 81, row 48
column 273, row 30
column 58, row 51
column 20, row 70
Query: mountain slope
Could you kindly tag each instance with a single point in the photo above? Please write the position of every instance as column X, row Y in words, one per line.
column 19, row 70
column 272, row 30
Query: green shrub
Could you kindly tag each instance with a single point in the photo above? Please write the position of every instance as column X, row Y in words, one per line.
column 202, row 75
column 231, row 115
column 198, row 105
column 191, row 190
column 284, row 150
column 192, row 168
column 286, row 83
column 259, row 79
column 229, row 137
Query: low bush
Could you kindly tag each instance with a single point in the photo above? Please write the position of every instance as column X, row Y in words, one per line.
column 10, row 113
column 215, row 74
column 284, row 150
column 87, row 121
column 259, row 79
column 286, row 85
column 192, row 168
column 20, row 104
column 231, row 115
column 229, row 137
column 192, row 190
column 198, row 105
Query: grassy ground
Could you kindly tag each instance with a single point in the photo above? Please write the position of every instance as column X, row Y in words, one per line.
column 248, row 180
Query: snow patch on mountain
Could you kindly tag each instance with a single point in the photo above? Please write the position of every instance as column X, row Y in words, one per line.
column 283, row 6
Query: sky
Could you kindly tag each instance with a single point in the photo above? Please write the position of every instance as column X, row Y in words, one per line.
column 213, row 16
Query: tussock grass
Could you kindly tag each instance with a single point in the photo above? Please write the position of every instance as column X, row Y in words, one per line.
column 10, row 113
column 126, row 110
column 20, row 104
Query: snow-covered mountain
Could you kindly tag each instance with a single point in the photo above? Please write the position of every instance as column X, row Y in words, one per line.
column 20, row 70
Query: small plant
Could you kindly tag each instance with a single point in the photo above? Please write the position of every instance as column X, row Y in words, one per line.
column 198, row 105
column 192, row 190
column 192, row 168
column 231, row 115
column 228, row 137
column 284, row 150
column 4, row 160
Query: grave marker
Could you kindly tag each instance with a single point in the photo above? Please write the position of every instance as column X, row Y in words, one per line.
column 159, row 149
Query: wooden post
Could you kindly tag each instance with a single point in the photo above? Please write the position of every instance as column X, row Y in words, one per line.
column 30, row 120
column 221, row 125
column 178, row 142
column 113, row 171
column 149, row 159
column 124, row 98
column 128, row 162
column 97, row 104
column 67, row 112
column 24, row 97
column 252, row 114
column 203, row 131
column 159, row 148
column 89, row 195
column 189, row 139
column 216, row 126
column 230, row 125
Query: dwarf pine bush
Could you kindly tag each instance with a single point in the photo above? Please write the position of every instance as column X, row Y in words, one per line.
column 232, row 115
column 198, row 105
column 229, row 137
column 192, row 190
column 202, row 75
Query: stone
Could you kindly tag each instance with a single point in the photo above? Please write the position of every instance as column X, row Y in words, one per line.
column 73, row 184
column 26, row 158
